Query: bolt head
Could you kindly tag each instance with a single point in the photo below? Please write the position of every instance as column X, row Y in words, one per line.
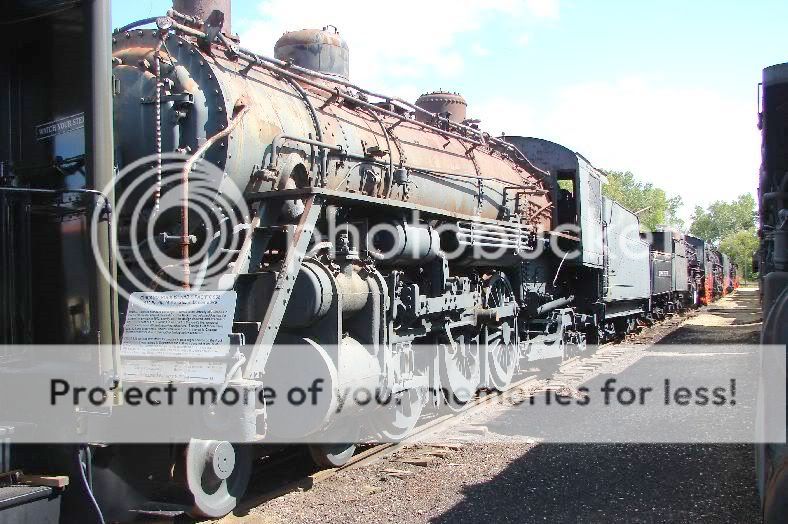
column 164, row 23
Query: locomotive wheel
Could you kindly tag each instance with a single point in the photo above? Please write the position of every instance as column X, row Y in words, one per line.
column 331, row 455
column 217, row 474
column 500, row 339
column 460, row 368
column 396, row 420
column 335, row 454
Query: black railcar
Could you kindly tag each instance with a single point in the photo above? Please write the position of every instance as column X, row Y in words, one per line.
column 772, row 265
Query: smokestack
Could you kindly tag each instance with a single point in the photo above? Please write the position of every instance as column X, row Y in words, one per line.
column 204, row 8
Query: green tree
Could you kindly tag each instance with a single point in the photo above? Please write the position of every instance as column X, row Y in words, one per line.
column 740, row 246
column 652, row 204
column 722, row 218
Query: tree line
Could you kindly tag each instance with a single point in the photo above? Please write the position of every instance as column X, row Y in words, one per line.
column 731, row 225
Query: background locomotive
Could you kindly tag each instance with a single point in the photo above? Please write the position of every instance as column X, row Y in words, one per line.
column 311, row 154
column 772, row 264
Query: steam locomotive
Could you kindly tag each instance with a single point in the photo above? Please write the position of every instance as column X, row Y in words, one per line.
column 771, row 261
column 399, row 246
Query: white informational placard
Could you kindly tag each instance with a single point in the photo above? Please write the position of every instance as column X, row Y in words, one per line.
column 162, row 331
column 147, row 370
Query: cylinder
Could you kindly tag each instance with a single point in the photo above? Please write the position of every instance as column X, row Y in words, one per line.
column 204, row 8
column 314, row 393
column 404, row 244
column 354, row 290
column 438, row 171
column 554, row 304
column 313, row 295
column 101, row 169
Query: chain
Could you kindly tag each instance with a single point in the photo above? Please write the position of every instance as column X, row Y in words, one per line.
column 159, row 85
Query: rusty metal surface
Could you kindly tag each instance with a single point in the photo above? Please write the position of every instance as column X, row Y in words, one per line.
column 452, row 173
column 442, row 102
column 321, row 50
column 203, row 9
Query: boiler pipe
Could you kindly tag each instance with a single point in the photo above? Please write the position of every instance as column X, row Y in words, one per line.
column 241, row 109
column 555, row 304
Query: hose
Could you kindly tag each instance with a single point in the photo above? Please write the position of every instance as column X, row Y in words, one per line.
column 83, row 479
column 134, row 25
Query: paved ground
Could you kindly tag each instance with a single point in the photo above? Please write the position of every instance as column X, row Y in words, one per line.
column 522, row 481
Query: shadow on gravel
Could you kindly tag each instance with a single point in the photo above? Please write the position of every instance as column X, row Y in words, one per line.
column 617, row 483
column 712, row 335
column 629, row 482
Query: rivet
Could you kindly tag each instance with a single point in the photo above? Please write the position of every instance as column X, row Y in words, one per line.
column 128, row 35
